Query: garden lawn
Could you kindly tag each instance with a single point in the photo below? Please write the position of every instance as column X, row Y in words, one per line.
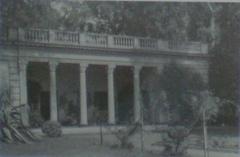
column 69, row 146
column 219, row 131
column 88, row 145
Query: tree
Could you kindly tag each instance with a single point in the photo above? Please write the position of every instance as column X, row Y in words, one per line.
column 158, row 20
column 75, row 16
column 223, row 76
column 29, row 14
column 188, row 101
column 179, row 83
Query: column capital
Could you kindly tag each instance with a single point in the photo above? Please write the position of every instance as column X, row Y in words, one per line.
column 137, row 69
column 111, row 68
column 53, row 65
column 23, row 61
column 23, row 64
column 83, row 67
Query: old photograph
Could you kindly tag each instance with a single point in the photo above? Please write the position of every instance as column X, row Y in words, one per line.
column 117, row 78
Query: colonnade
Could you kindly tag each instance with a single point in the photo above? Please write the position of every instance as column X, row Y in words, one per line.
column 83, row 91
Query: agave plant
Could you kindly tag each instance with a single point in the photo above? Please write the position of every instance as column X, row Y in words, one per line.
column 11, row 127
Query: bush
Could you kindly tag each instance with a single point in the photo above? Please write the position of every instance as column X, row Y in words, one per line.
column 36, row 119
column 174, row 141
column 124, row 136
column 52, row 129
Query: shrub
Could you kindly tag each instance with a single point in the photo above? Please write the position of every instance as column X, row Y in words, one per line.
column 36, row 119
column 174, row 141
column 52, row 129
column 124, row 135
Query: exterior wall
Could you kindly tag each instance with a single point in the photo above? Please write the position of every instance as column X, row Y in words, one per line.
column 9, row 76
column 4, row 77
column 14, row 82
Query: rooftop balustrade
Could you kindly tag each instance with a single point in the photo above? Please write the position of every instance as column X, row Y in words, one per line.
column 57, row 37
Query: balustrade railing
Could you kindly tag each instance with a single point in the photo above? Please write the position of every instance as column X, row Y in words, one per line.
column 93, row 39
column 71, row 37
column 123, row 42
column 104, row 40
column 40, row 35
column 148, row 43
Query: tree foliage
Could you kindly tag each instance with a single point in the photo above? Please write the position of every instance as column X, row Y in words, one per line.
column 182, row 92
column 223, row 78
column 188, row 99
column 181, row 83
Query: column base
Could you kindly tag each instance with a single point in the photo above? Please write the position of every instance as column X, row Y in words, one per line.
column 83, row 125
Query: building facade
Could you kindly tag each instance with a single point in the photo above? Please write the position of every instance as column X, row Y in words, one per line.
column 51, row 70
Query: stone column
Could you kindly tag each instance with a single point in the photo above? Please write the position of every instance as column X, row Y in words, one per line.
column 23, row 92
column 136, row 86
column 53, row 91
column 111, row 101
column 83, row 94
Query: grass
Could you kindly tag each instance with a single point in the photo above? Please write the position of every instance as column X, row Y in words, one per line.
column 88, row 145
column 218, row 131
column 70, row 146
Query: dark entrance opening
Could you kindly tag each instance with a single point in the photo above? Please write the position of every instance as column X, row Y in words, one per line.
column 38, row 93
column 100, row 102
column 67, row 76
column 45, row 105
column 97, row 94
column 124, row 95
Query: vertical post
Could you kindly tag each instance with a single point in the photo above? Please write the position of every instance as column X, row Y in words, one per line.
column 238, row 112
column 238, row 100
column 101, row 133
column 136, row 84
column 83, row 94
column 1, row 22
column 111, row 101
column 82, row 39
column 142, row 125
column 51, row 36
column 23, row 92
column 205, row 133
column 21, row 34
column 110, row 40
column 137, row 43
column 53, row 91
